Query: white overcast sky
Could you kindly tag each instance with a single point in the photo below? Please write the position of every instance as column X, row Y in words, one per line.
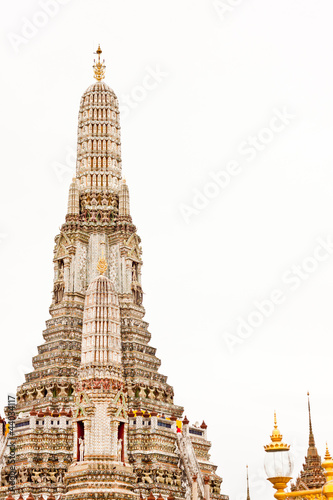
column 224, row 72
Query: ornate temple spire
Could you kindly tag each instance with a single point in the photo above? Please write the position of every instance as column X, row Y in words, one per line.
column 73, row 199
column 312, row 450
column 101, row 422
column 97, row 363
column 247, row 483
column 312, row 474
column 98, row 167
column 101, row 340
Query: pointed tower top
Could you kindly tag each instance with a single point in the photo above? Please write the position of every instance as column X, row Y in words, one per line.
column 99, row 67
column 312, row 450
column 327, row 454
column 247, row 483
column 312, row 475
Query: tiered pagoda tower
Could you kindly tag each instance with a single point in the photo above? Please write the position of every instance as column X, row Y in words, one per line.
column 312, row 474
column 95, row 419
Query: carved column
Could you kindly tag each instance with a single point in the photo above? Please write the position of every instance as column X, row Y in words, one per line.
column 206, row 488
column 67, row 263
column 114, row 439
column 194, row 488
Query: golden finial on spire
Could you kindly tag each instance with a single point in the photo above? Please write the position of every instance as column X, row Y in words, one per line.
column 102, row 265
column 276, row 436
column 99, row 67
column 327, row 455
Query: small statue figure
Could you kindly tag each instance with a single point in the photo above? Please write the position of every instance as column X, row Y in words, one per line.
column 139, row 297
column 134, row 275
column 4, row 479
column 146, row 477
column 119, row 449
column 61, row 273
column 160, row 477
column 52, row 476
column 81, row 449
column 36, row 476
column 23, row 476
column 58, row 292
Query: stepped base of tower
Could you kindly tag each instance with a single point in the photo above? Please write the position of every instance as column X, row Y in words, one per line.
column 106, row 479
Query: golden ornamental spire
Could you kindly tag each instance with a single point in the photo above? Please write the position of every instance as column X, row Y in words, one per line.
column 102, row 265
column 99, row 67
column 327, row 465
column 327, row 454
column 276, row 437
